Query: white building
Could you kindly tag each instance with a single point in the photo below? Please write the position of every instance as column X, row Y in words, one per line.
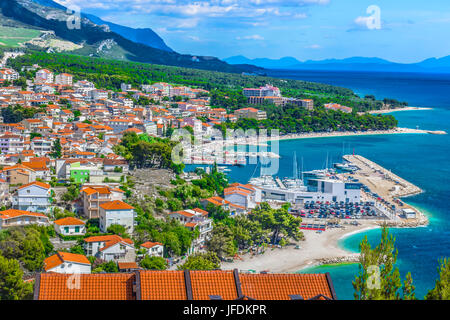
column 68, row 263
column 110, row 248
column 13, row 217
column 317, row 190
column 44, row 76
column 41, row 146
column 34, row 197
column 64, row 79
column 153, row 249
column 8, row 74
column 11, row 143
column 70, row 226
column 99, row 94
column 192, row 219
column 116, row 212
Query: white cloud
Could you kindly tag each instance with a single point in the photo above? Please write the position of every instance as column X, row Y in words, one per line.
column 252, row 37
column 314, row 46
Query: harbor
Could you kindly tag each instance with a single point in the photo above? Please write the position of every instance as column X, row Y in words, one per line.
column 385, row 188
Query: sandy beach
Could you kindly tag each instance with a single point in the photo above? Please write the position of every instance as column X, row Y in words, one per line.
column 398, row 109
column 352, row 133
column 314, row 250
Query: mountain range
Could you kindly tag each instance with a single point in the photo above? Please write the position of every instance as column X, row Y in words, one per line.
column 98, row 38
column 432, row 65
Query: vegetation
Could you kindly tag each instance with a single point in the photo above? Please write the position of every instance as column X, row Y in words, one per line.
column 18, row 113
column 12, row 287
column 173, row 235
column 28, row 245
column 201, row 261
column 292, row 119
column 118, row 230
column 379, row 278
column 225, row 88
column 441, row 291
column 263, row 226
column 153, row 263
column 147, row 152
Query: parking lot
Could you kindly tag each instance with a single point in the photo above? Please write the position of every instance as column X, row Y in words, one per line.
column 340, row 210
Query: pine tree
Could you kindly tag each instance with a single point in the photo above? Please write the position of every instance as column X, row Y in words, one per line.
column 378, row 278
column 441, row 290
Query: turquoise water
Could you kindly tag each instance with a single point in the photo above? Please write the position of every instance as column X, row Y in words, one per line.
column 419, row 158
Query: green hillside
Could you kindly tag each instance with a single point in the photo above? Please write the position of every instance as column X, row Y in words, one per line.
column 13, row 37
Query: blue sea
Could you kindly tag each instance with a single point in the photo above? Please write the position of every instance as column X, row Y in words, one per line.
column 422, row 159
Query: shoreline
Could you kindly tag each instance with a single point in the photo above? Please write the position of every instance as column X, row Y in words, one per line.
column 397, row 130
column 398, row 110
column 315, row 250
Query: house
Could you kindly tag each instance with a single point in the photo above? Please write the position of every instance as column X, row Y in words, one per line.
column 11, row 143
column 18, row 174
column 226, row 205
column 116, row 212
column 250, row 113
column 70, row 226
column 153, row 249
column 246, row 196
column 35, row 196
column 93, row 196
column 13, row 217
column 4, row 192
column 192, row 219
column 67, row 263
column 64, row 79
column 110, row 248
column 128, row 266
column 44, row 76
column 187, row 285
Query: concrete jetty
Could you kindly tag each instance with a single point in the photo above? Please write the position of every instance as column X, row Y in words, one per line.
column 388, row 186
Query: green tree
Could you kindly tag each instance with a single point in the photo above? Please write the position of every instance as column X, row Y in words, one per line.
column 153, row 263
column 12, row 286
column 56, row 149
column 378, row 278
column 441, row 291
column 201, row 261
column 222, row 241
column 279, row 221
column 25, row 245
column 118, row 229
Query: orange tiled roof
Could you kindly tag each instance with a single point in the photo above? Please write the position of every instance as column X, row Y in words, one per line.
column 206, row 283
column 163, row 285
column 61, row 257
column 116, row 205
column 69, row 221
column 13, row 213
column 280, row 286
column 117, row 286
column 127, row 265
column 37, row 183
column 149, row 244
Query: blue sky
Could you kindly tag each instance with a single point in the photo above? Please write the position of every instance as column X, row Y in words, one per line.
column 409, row 31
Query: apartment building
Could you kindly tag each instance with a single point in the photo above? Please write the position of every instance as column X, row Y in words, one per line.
column 95, row 195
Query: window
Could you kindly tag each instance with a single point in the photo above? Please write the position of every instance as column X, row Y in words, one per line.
column 66, row 229
column 77, row 229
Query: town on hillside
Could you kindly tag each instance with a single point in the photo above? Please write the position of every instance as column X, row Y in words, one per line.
column 89, row 171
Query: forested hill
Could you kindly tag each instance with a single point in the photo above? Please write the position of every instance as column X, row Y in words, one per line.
column 226, row 88
column 93, row 37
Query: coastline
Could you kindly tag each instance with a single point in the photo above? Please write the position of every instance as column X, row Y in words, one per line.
column 397, row 130
column 398, row 110
column 316, row 249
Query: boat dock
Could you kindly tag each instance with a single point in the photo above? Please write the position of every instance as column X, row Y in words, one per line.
column 388, row 188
